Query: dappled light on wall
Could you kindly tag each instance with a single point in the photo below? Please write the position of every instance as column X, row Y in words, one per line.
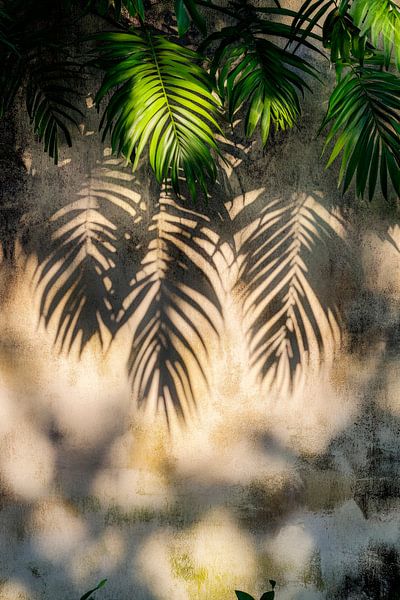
column 120, row 256
column 113, row 260
column 210, row 558
column 243, row 491
column 198, row 392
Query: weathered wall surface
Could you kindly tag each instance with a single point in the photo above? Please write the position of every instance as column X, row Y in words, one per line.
column 286, row 464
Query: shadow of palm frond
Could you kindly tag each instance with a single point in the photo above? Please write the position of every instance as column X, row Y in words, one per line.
column 95, row 242
column 292, row 314
column 176, row 308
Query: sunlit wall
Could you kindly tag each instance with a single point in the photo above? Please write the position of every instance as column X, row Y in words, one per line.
column 196, row 398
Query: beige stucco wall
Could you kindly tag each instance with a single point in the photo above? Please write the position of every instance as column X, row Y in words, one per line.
column 285, row 469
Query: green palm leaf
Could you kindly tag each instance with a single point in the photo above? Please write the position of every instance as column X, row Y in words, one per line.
column 255, row 72
column 338, row 32
column 263, row 78
column 364, row 117
column 311, row 12
column 380, row 19
column 185, row 12
column 162, row 100
column 134, row 7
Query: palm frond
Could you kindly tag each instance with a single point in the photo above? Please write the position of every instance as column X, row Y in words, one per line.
column 255, row 72
column 49, row 105
column 364, row 117
column 187, row 11
column 162, row 99
column 338, row 32
column 176, row 310
column 134, row 7
column 11, row 78
column 292, row 321
column 311, row 12
column 6, row 41
column 262, row 77
column 380, row 19
column 342, row 38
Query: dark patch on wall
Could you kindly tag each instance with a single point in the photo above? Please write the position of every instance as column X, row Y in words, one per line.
column 13, row 179
column 378, row 576
column 264, row 507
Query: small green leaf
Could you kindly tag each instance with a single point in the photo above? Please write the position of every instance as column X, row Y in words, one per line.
column 243, row 595
column 135, row 7
column 90, row 592
column 268, row 596
column 182, row 17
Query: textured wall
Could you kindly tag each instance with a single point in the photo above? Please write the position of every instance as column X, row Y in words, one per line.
column 268, row 319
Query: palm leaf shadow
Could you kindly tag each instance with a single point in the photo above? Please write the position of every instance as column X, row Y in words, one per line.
column 176, row 306
column 293, row 320
column 116, row 256
column 95, row 243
